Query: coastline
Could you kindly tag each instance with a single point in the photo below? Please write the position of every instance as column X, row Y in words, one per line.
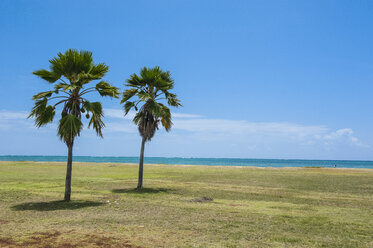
column 111, row 164
column 228, row 162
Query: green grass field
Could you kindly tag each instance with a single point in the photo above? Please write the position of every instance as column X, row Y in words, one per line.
column 251, row 207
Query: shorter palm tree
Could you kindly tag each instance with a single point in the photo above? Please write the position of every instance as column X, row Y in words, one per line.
column 78, row 69
column 148, row 91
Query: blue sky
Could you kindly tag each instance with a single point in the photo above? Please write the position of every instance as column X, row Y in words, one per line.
column 258, row 79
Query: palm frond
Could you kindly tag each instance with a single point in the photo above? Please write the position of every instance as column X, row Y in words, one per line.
column 39, row 107
column 135, row 81
column 105, row 89
column 127, row 94
column 158, row 110
column 69, row 127
column 95, row 108
column 166, row 118
column 145, row 96
column 49, row 76
column 99, row 70
column 72, row 63
column 45, row 117
column 172, row 99
column 85, row 78
column 127, row 107
column 165, row 82
column 154, row 108
column 44, row 94
column 97, row 124
column 65, row 87
column 43, row 114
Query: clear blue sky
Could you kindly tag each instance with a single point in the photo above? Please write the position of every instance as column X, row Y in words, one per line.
column 258, row 79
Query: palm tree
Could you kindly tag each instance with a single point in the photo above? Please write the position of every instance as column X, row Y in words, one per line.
column 70, row 73
column 149, row 90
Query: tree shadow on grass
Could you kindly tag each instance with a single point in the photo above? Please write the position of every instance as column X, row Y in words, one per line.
column 142, row 191
column 55, row 205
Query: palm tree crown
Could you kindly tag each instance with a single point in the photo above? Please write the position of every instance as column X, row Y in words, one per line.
column 78, row 69
column 150, row 88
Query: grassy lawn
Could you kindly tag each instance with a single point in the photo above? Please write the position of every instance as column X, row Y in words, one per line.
column 251, row 207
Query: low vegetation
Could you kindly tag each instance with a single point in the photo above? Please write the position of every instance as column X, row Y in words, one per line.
column 184, row 206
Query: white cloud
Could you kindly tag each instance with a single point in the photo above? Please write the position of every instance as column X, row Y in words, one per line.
column 179, row 115
column 196, row 123
column 119, row 113
column 342, row 135
column 13, row 115
column 122, row 127
column 213, row 129
column 216, row 129
column 245, row 127
column 14, row 120
column 304, row 134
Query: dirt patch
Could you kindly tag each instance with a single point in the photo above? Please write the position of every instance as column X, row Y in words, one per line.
column 104, row 241
column 56, row 239
column 6, row 242
column 3, row 222
column 39, row 238
column 99, row 240
column 202, row 199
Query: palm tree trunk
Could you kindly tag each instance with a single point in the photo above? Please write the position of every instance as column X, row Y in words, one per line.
column 68, row 171
column 141, row 164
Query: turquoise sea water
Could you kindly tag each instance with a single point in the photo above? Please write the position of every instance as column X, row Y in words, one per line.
column 204, row 161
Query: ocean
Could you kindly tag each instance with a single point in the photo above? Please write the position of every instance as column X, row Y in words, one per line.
column 203, row 161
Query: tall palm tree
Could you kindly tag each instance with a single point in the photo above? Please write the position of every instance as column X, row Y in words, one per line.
column 70, row 73
column 148, row 91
